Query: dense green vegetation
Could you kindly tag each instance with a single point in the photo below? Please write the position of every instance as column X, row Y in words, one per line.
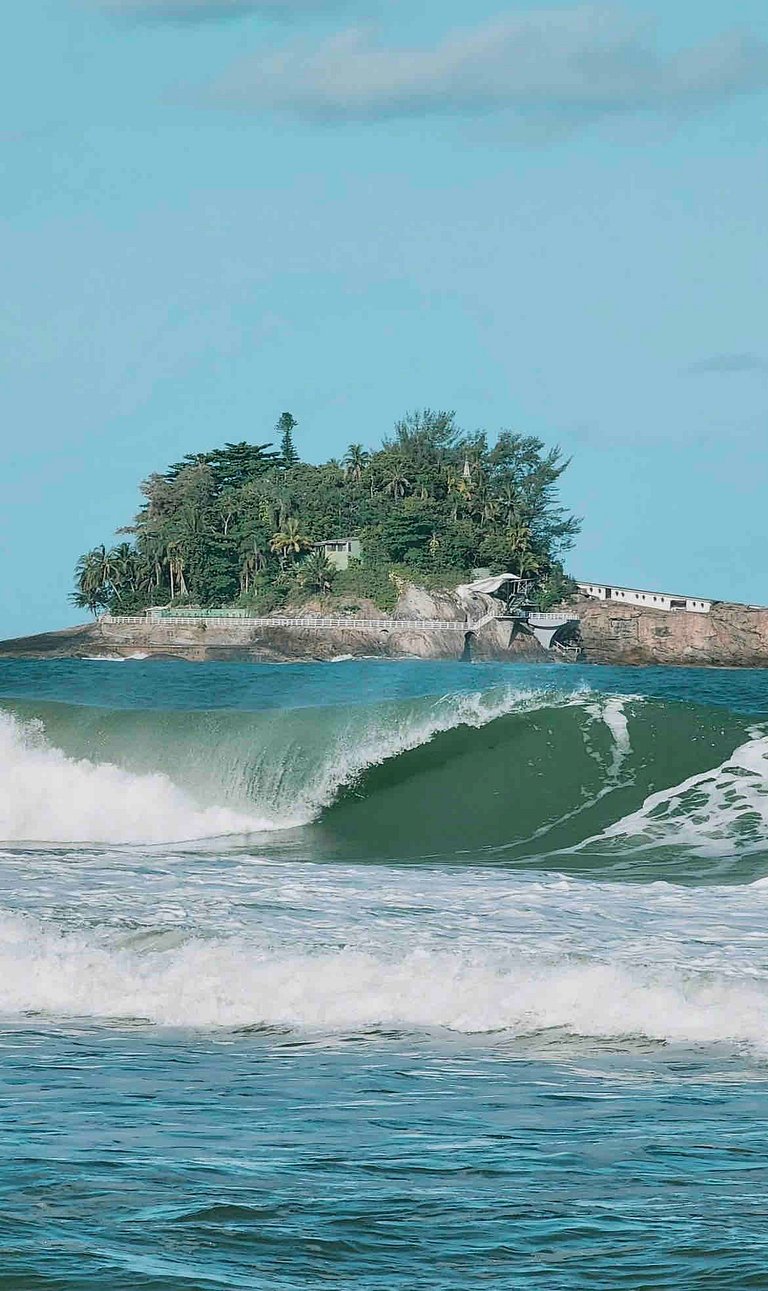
column 237, row 525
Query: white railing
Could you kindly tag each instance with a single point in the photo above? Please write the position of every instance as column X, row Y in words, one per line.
column 329, row 621
column 490, row 617
column 280, row 621
column 544, row 620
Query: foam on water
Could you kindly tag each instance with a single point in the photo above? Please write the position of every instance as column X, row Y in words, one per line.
column 725, row 806
column 234, row 1067
column 168, row 981
column 48, row 797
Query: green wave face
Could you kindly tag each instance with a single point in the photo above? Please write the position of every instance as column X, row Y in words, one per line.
column 553, row 787
column 626, row 787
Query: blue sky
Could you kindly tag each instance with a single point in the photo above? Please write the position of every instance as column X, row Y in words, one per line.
column 549, row 218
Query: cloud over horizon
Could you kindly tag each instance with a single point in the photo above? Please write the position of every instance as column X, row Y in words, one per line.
column 578, row 64
column 730, row 363
column 213, row 10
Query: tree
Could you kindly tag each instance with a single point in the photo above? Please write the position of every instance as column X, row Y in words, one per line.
column 408, row 530
column 254, row 560
column 217, row 524
column 94, row 580
column 123, row 569
column 175, row 557
column 318, row 573
column 285, row 428
column 355, row 461
column 397, row 483
column 289, row 542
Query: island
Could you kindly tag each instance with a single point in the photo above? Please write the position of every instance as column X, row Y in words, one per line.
column 440, row 543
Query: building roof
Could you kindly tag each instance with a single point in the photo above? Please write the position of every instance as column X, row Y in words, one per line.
column 643, row 591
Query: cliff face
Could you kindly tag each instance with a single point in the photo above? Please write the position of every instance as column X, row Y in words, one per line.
column 730, row 636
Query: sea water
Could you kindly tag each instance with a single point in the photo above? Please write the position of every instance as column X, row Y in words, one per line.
column 382, row 975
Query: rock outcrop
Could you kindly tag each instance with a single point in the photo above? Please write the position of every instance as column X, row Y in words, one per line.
column 730, row 636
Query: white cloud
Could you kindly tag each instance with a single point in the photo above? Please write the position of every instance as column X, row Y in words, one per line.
column 576, row 64
column 211, row 10
column 731, row 363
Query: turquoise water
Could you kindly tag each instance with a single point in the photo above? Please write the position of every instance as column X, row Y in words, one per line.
column 382, row 975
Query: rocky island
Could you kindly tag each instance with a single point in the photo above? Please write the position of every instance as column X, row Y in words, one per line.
column 240, row 552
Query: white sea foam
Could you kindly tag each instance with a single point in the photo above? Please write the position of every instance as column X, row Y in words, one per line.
column 723, row 807
column 235, row 984
column 612, row 712
column 138, row 655
column 48, row 797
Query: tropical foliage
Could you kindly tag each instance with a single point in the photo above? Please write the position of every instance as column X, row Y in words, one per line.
column 239, row 524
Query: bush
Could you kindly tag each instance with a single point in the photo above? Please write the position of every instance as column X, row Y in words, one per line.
column 557, row 587
column 370, row 581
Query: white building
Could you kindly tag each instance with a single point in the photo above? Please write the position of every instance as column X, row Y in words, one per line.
column 650, row 600
column 339, row 551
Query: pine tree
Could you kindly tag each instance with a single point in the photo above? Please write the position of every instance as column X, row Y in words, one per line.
column 285, row 428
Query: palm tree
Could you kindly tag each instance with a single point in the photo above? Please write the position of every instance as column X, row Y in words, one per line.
column 151, row 560
column 254, row 561
column 121, row 561
column 90, row 589
column 397, row 484
column 355, row 461
column 289, row 541
column 317, row 572
column 520, row 539
column 175, row 558
column 487, row 507
column 529, row 563
column 508, row 505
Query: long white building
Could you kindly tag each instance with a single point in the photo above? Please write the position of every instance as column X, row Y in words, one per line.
column 650, row 600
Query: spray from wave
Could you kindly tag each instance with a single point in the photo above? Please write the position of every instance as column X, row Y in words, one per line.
column 49, row 797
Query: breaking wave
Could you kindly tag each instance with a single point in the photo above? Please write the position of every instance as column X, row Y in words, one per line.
column 233, row 984
column 571, row 779
column 49, row 797
column 74, row 774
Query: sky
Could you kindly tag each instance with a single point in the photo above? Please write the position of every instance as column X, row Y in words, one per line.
column 549, row 218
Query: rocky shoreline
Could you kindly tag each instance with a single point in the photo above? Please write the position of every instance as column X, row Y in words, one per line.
column 240, row 640
column 730, row 636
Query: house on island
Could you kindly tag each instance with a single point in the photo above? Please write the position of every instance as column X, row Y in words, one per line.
column 339, row 551
column 648, row 600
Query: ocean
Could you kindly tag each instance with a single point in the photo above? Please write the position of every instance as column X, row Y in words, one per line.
column 382, row 976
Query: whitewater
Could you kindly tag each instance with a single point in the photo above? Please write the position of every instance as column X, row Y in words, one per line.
column 382, row 974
